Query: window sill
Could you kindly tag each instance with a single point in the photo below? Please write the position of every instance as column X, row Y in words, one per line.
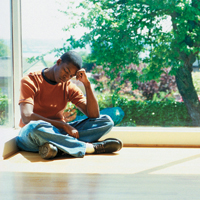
column 157, row 136
column 8, row 142
column 130, row 136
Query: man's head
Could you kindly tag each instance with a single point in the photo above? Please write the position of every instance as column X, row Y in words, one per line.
column 72, row 57
column 67, row 66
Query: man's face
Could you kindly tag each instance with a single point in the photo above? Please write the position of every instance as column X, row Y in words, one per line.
column 64, row 72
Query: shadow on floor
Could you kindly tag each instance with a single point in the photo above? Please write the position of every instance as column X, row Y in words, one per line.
column 35, row 157
column 171, row 164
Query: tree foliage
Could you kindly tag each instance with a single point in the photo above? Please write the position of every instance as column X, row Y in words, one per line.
column 119, row 30
column 3, row 108
column 4, row 50
column 148, row 90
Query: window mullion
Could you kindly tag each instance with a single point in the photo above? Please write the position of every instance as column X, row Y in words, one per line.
column 17, row 56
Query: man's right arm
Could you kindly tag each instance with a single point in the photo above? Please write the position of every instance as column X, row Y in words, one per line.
column 28, row 115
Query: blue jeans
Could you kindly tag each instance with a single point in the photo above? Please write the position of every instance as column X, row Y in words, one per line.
column 36, row 133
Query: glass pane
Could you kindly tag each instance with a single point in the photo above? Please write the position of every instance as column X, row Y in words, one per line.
column 41, row 32
column 6, row 73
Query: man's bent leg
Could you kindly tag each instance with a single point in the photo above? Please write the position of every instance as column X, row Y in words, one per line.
column 91, row 129
column 37, row 133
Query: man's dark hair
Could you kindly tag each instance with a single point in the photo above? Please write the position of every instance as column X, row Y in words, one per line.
column 72, row 57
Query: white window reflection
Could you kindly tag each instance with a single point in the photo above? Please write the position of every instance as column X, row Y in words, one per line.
column 6, row 72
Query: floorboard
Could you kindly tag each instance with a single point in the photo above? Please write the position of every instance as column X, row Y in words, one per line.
column 133, row 173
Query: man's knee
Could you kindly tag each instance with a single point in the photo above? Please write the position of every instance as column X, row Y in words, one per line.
column 34, row 129
column 107, row 119
column 29, row 138
column 34, row 126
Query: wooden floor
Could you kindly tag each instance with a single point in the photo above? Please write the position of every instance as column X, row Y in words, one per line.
column 133, row 173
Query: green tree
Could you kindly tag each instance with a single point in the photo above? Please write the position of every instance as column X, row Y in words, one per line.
column 4, row 50
column 119, row 30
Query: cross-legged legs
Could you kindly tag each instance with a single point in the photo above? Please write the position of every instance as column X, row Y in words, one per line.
column 37, row 133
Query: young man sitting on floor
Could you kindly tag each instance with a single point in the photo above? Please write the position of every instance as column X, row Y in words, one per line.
column 43, row 98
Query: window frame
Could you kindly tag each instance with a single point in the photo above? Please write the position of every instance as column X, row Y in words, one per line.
column 17, row 56
column 144, row 136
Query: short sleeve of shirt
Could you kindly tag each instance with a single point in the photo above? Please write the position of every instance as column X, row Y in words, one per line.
column 27, row 90
column 75, row 95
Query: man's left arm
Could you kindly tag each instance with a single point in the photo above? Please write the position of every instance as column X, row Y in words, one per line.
column 91, row 107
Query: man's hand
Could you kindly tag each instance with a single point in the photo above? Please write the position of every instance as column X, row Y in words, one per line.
column 71, row 130
column 90, row 108
column 81, row 76
column 28, row 115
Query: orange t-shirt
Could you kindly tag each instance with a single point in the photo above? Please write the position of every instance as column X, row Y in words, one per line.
column 49, row 98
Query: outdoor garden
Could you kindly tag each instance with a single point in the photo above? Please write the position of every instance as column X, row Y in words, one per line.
column 153, row 103
column 142, row 55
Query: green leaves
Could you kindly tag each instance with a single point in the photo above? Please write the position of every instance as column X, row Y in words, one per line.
column 3, row 108
column 4, row 49
column 148, row 113
column 119, row 31
column 151, row 113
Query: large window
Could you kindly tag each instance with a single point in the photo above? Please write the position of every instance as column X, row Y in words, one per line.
column 6, row 71
column 141, row 82
column 41, row 32
column 127, row 48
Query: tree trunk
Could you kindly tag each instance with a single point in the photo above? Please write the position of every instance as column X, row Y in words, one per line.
column 186, row 88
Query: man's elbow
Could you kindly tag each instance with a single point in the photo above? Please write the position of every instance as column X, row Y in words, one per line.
column 26, row 119
column 97, row 115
